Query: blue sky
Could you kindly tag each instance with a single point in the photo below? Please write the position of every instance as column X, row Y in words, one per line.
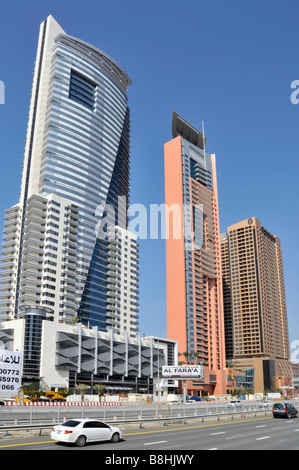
column 229, row 64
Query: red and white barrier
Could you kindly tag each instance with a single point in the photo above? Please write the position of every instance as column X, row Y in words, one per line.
column 61, row 403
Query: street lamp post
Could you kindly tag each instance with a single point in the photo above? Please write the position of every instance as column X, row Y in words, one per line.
column 158, row 366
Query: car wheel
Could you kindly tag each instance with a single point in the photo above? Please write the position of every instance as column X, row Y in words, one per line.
column 81, row 441
column 115, row 437
column 289, row 415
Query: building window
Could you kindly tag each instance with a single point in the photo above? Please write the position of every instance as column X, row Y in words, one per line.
column 82, row 90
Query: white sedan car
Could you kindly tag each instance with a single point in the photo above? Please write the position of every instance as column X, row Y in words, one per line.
column 265, row 404
column 235, row 404
column 80, row 431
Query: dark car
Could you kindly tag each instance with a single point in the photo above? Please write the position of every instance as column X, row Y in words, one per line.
column 195, row 398
column 285, row 410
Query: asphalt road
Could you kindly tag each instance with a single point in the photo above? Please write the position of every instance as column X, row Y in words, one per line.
column 245, row 434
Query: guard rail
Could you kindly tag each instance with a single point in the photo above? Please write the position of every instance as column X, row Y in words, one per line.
column 141, row 421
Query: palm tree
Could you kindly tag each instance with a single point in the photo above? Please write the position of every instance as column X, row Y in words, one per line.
column 82, row 389
column 75, row 320
column 195, row 354
column 101, row 389
column 186, row 354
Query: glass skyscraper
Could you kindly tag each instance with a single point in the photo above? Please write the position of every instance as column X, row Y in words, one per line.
column 77, row 161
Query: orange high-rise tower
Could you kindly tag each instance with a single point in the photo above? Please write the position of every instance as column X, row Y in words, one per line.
column 193, row 259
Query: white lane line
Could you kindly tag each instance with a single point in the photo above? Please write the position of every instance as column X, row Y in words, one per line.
column 265, row 437
column 214, row 448
column 296, row 430
column 216, row 433
column 152, row 443
column 261, row 426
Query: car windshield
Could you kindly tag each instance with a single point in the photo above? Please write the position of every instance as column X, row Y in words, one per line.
column 71, row 423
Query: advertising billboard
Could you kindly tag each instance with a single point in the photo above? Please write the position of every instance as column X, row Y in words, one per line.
column 183, row 372
column 10, row 372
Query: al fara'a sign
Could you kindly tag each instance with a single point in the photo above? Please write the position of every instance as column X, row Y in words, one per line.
column 183, row 372
column 10, row 372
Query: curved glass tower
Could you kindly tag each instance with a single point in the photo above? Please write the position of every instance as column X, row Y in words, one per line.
column 77, row 149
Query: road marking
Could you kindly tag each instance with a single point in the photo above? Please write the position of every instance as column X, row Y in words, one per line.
column 216, row 433
column 152, row 443
column 227, row 423
column 214, row 448
column 150, row 432
column 28, row 443
column 296, row 430
column 261, row 426
column 261, row 438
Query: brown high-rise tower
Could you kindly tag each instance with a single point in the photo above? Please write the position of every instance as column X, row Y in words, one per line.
column 254, row 300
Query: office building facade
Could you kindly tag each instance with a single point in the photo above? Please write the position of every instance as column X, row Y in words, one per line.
column 77, row 156
column 123, row 363
column 256, row 327
column 193, row 262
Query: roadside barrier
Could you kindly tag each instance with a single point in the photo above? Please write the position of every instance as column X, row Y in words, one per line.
column 61, row 403
column 141, row 421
